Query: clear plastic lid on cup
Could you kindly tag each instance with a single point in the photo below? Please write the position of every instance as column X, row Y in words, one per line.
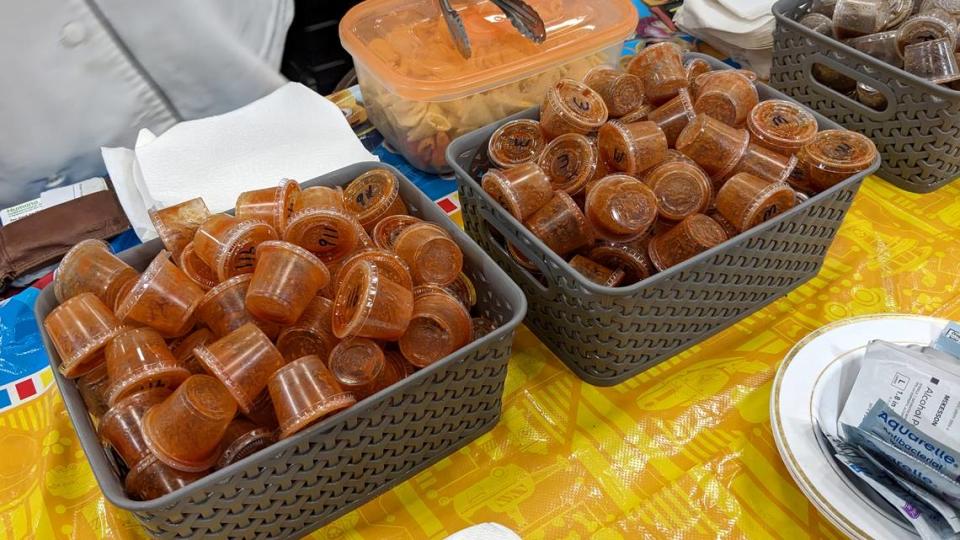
column 747, row 200
column 928, row 26
column 370, row 304
column 715, row 146
column 241, row 439
column 440, row 325
column 660, row 67
column 243, row 361
column 182, row 349
column 360, row 367
column 164, row 299
column 835, row 155
column 934, row 61
column 286, row 278
column 373, row 196
column 596, row 272
column 270, row 205
column 692, row 236
column 572, row 107
column 632, row 148
column 634, row 262
column 695, row 68
column 177, row 225
column 121, row 426
column 330, row 234
column 319, row 198
column 781, row 126
column 463, row 290
column 303, row 392
column 93, row 387
column 522, row 259
column 561, row 225
column 818, row 22
column 79, row 328
column 196, row 269
column 90, row 267
column 228, row 245
column 882, row 46
column 223, row 309
column 621, row 92
column 522, row 190
column 312, row 334
column 681, row 190
column 569, row 161
column 853, row 18
column 765, row 163
column 138, row 359
column 515, row 143
column 620, row 208
column 184, row 430
column 673, row 116
column 727, row 96
column 389, row 263
column 430, row 253
column 151, row 479
column 385, row 233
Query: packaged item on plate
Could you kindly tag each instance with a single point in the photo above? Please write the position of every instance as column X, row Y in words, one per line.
column 884, row 423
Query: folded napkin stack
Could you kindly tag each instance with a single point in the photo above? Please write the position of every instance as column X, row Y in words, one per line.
column 741, row 29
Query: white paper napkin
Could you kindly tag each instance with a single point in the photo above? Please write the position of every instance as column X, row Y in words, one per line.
column 291, row 133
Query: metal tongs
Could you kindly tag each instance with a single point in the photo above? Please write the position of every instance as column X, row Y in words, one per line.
column 523, row 17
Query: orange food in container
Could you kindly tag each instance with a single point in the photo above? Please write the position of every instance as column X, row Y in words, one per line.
column 227, row 244
column 747, row 200
column 634, row 262
column 833, row 156
column 570, row 161
column 385, row 233
column 121, row 427
column 430, row 253
column 178, row 224
column 90, row 267
column 522, row 190
column 196, row 269
column 223, row 309
column 79, row 328
column 715, row 146
column 673, row 116
column 682, row 189
column 373, row 196
column 621, row 92
column 312, row 334
column 243, row 361
column 632, row 148
column 421, row 94
column 515, row 143
column 439, row 325
column 241, row 439
column 596, row 272
column 692, row 236
column 182, row 349
column 621, row 208
column 371, row 304
column 93, row 387
column 561, row 225
column 361, row 368
column 270, row 205
column 660, row 67
column 286, row 278
column 781, row 126
column 303, row 392
column 728, row 96
column 151, row 478
column 138, row 359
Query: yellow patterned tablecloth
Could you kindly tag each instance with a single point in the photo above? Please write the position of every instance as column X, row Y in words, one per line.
column 684, row 450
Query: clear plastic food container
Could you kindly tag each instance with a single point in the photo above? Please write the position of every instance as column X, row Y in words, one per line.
column 421, row 94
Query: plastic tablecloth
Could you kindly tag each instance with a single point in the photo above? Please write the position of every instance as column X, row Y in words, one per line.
column 683, row 450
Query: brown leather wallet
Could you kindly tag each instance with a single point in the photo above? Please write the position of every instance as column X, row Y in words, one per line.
column 42, row 238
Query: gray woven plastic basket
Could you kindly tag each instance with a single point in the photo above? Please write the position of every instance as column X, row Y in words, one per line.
column 319, row 474
column 607, row 335
column 918, row 134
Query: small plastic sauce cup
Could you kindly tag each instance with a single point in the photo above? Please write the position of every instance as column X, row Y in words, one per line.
column 482, row 327
column 561, row 225
column 182, row 349
column 463, row 290
column 781, row 126
column 329, row 233
column 621, row 92
column 178, row 224
column 196, row 269
column 660, row 67
column 726, row 225
column 121, row 426
column 241, row 439
column 682, row 189
column 373, row 196
column 621, row 208
column 515, row 143
column 272, row 206
column 727, row 96
column 79, row 328
column 223, row 309
column 934, row 60
column 359, row 365
column 90, row 267
column 928, row 26
column 262, row 413
column 385, row 234
column 184, row 431
column 139, row 359
column 854, row 18
column 93, row 387
column 689, row 238
column 286, row 278
column 164, row 299
column 370, row 304
column 303, row 392
column 431, row 255
column 572, row 107
column 715, row 146
column 596, row 272
column 228, row 244
column 440, row 325
column 835, row 155
column 673, row 116
column 765, row 163
column 746, row 200
column 243, row 361
column 818, row 22
column 634, row 262
column 569, row 161
column 632, row 148
column 319, row 198
column 152, row 479
column 389, row 263
column 312, row 334
column 695, row 68
column 521, row 190
column 522, row 259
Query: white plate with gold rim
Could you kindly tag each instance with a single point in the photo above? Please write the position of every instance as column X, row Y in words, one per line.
column 811, row 386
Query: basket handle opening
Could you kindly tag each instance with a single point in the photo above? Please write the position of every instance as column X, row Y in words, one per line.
column 497, row 240
column 819, row 67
